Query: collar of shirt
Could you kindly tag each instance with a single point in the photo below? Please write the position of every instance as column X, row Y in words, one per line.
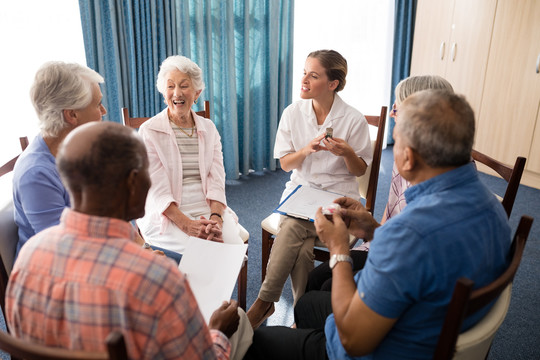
column 96, row 226
column 442, row 182
column 336, row 112
column 160, row 122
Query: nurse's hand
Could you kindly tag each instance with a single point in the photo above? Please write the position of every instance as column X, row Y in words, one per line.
column 314, row 145
column 338, row 147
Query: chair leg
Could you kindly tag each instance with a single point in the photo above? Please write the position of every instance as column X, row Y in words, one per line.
column 242, row 285
column 266, row 245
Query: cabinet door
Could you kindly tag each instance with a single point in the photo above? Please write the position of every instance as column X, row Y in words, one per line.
column 512, row 87
column 431, row 37
column 468, row 51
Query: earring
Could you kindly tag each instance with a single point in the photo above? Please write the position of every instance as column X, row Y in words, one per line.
column 196, row 101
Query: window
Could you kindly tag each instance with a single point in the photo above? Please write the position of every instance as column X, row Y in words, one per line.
column 361, row 31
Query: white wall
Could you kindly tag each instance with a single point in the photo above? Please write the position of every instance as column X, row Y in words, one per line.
column 360, row 30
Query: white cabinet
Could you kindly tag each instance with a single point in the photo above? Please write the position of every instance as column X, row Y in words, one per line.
column 451, row 39
column 508, row 124
column 489, row 50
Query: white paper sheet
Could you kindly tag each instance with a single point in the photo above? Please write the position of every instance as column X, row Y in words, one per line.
column 211, row 269
column 304, row 202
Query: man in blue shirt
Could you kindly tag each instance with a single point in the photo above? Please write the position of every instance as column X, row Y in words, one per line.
column 452, row 227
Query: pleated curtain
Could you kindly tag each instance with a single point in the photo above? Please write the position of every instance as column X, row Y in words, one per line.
column 405, row 15
column 243, row 47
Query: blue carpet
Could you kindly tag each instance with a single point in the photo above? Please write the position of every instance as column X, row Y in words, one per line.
column 254, row 197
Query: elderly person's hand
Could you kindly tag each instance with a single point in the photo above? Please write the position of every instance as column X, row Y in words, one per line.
column 204, row 229
column 360, row 222
column 333, row 233
column 225, row 318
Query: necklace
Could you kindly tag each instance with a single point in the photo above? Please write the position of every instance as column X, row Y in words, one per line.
column 190, row 135
column 182, row 130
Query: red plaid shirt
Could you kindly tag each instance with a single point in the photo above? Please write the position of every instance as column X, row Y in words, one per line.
column 74, row 283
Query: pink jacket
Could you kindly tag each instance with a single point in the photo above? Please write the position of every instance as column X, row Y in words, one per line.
column 166, row 166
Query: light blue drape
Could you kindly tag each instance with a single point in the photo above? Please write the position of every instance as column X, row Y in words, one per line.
column 405, row 15
column 244, row 48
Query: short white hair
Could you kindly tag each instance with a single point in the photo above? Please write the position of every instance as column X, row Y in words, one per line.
column 59, row 86
column 183, row 64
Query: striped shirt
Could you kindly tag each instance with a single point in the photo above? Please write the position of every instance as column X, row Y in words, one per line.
column 396, row 197
column 74, row 283
column 189, row 149
column 396, row 201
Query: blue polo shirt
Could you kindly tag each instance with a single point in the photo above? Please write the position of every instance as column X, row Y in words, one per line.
column 39, row 197
column 452, row 226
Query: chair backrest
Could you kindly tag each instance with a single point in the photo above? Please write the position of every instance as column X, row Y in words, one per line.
column 24, row 142
column 8, row 243
column 466, row 302
column 116, row 349
column 137, row 122
column 512, row 175
column 8, row 232
column 367, row 184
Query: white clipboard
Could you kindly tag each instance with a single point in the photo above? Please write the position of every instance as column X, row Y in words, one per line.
column 304, row 201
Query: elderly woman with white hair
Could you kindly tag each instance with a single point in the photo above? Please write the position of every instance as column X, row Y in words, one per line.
column 187, row 196
column 64, row 96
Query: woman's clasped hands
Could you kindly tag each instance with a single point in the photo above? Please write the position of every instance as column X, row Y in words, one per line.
column 205, row 229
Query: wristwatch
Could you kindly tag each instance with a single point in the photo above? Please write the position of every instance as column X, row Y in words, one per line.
column 334, row 259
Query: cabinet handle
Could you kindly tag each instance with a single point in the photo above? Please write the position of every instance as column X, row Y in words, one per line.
column 441, row 50
column 453, row 51
column 538, row 64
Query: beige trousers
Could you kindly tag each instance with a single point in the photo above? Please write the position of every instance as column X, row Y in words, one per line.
column 292, row 254
column 243, row 337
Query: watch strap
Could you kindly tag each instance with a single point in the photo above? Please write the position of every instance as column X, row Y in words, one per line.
column 336, row 258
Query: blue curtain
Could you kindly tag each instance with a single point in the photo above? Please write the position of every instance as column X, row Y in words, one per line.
column 405, row 14
column 244, row 48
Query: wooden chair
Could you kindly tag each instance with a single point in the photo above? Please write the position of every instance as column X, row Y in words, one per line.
column 512, row 175
column 9, row 232
column 242, row 277
column 21, row 349
column 138, row 121
column 475, row 342
column 367, row 185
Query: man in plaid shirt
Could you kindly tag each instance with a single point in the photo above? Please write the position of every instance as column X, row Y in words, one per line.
column 74, row 283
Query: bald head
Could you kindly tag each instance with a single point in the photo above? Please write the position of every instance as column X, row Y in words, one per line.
column 103, row 164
